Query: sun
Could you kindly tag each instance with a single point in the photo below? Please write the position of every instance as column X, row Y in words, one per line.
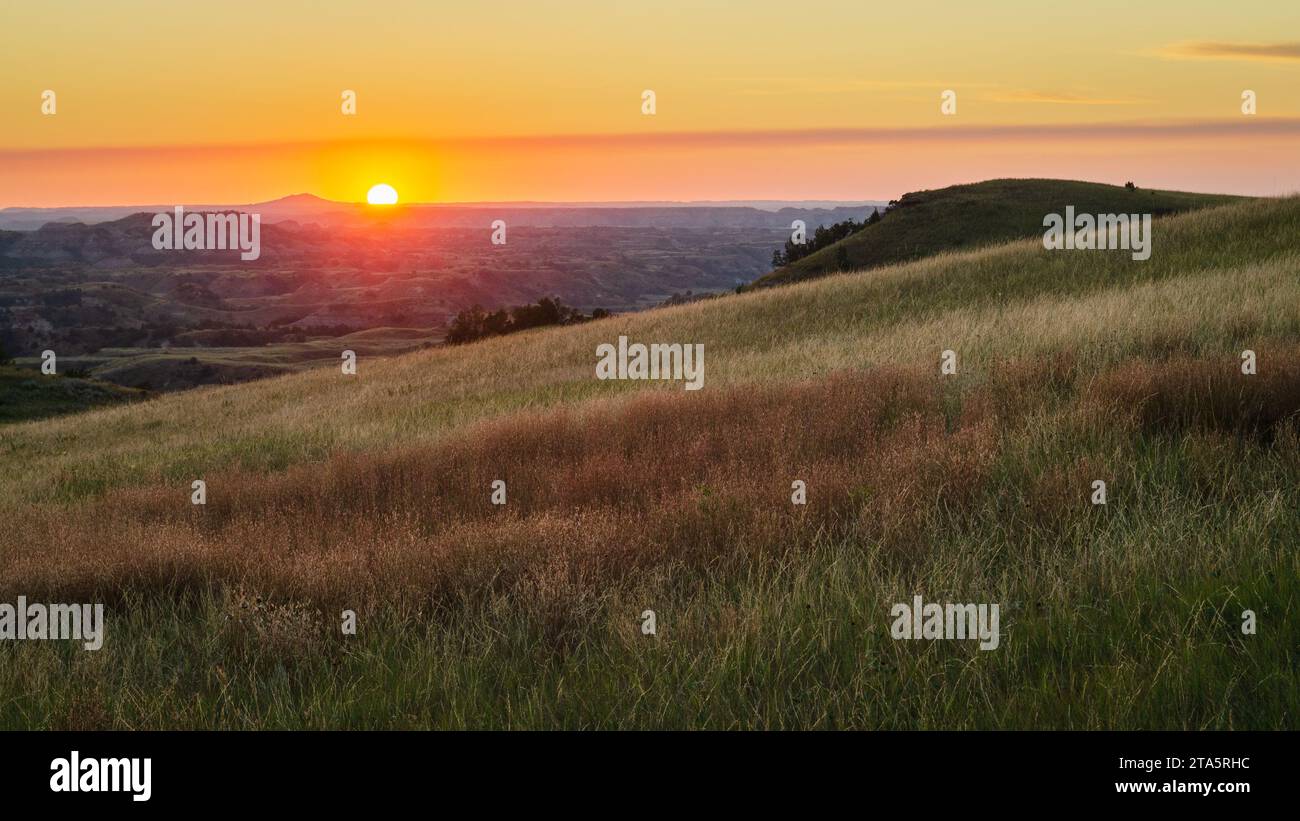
column 382, row 194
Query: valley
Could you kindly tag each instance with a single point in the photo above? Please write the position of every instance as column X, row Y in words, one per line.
column 116, row 308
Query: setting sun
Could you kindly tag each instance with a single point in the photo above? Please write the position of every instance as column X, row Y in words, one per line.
column 382, row 194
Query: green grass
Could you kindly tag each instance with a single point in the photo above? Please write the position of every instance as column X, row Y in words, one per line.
column 962, row 217
column 797, row 641
column 27, row 394
column 181, row 368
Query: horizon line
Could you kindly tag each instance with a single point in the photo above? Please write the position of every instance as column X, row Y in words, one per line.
column 736, row 203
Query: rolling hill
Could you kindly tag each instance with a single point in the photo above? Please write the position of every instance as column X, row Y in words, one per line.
column 26, row 394
column 372, row 493
column 962, row 217
column 180, row 368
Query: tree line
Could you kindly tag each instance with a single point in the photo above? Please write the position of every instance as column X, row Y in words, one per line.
column 823, row 237
column 478, row 323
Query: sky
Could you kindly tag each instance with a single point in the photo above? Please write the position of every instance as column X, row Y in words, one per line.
column 239, row 102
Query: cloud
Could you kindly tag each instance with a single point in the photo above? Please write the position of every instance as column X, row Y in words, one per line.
column 1179, row 129
column 996, row 93
column 1236, row 127
column 1057, row 97
column 804, row 86
column 1258, row 52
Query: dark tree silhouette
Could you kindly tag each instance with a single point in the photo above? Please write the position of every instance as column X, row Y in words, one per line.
column 823, row 237
column 476, row 323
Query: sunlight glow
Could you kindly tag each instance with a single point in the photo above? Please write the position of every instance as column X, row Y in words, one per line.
column 382, row 194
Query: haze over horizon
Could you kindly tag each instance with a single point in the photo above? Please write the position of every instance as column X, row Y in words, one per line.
column 308, row 196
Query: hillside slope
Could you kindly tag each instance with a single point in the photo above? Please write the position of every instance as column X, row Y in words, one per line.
column 373, row 493
column 180, row 368
column 27, row 394
column 985, row 213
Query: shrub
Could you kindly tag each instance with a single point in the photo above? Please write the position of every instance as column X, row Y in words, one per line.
column 476, row 323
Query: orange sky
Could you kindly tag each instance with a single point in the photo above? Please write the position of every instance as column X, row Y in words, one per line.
column 160, row 102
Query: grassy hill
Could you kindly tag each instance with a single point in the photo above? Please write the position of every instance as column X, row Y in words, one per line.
column 180, row 368
column 371, row 493
column 961, row 217
column 28, row 394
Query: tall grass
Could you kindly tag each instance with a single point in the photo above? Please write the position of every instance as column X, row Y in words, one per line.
column 373, row 494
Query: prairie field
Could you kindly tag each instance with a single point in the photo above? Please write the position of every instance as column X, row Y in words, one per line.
column 372, row 493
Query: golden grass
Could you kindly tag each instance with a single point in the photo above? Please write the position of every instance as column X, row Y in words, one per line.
column 424, row 396
column 1180, row 393
column 621, row 486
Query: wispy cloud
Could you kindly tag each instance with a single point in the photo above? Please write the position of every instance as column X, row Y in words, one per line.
column 1179, row 129
column 1057, row 98
column 1163, row 129
column 989, row 92
column 1257, row 52
column 803, row 86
